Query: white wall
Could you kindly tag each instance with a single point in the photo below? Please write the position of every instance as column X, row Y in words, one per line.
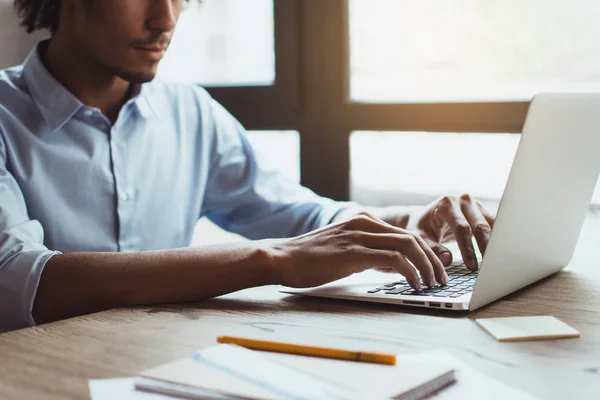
column 15, row 43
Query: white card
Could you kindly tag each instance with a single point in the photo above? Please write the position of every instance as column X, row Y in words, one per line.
column 526, row 328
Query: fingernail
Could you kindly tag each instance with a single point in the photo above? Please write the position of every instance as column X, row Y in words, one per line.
column 444, row 279
column 431, row 282
column 474, row 265
column 446, row 258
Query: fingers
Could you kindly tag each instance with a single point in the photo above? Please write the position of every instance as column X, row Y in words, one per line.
column 387, row 270
column 479, row 224
column 489, row 217
column 386, row 261
column 410, row 247
column 441, row 251
column 438, row 267
column 380, row 227
column 406, row 269
column 449, row 212
column 393, row 261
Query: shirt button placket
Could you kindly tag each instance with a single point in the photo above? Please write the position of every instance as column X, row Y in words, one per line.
column 124, row 194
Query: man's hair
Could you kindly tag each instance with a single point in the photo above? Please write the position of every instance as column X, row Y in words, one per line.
column 43, row 14
column 38, row 14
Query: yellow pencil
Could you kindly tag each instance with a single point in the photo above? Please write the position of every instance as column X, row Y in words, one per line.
column 377, row 358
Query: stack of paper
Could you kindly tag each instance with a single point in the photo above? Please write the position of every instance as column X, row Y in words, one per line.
column 237, row 372
column 226, row 372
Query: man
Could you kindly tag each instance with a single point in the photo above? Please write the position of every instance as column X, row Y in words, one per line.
column 104, row 173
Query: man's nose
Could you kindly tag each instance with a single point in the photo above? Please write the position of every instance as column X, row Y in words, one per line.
column 164, row 15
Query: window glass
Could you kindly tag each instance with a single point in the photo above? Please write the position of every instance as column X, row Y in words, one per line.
column 222, row 43
column 417, row 167
column 278, row 150
column 472, row 50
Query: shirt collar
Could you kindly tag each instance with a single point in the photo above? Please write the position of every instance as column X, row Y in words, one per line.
column 141, row 96
column 56, row 104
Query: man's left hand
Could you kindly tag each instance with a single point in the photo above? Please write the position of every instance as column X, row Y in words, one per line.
column 446, row 219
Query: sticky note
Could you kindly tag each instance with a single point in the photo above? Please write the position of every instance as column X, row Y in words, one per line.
column 526, row 328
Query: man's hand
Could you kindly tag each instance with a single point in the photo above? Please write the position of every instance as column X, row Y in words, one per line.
column 448, row 218
column 352, row 246
column 452, row 218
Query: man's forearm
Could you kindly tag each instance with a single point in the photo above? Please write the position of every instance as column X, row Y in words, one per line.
column 80, row 283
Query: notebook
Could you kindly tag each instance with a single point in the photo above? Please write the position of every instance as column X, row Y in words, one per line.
column 232, row 373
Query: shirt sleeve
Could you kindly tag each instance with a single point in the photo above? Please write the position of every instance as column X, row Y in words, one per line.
column 22, row 253
column 245, row 196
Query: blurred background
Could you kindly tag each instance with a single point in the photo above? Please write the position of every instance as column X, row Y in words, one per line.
column 405, row 52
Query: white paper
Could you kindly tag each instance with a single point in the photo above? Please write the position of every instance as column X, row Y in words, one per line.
column 179, row 391
column 251, row 366
column 120, row 389
column 470, row 384
column 263, row 375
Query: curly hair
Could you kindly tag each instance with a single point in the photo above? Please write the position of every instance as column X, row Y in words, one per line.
column 38, row 14
column 43, row 14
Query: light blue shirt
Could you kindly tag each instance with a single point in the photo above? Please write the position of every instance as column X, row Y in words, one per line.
column 70, row 181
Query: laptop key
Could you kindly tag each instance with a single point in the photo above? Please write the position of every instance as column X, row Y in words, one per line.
column 442, row 294
column 414, row 293
column 380, row 288
column 397, row 290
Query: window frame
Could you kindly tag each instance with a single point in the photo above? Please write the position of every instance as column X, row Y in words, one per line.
column 311, row 95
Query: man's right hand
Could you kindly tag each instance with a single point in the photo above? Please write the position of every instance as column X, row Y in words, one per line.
column 339, row 250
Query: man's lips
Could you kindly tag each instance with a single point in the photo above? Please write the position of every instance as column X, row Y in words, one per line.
column 153, row 53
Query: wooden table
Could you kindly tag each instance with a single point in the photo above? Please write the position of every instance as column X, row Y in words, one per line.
column 54, row 361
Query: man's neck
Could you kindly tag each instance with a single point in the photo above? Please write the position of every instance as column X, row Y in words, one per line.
column 92, row 84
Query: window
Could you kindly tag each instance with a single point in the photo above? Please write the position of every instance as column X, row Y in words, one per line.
column 410, row 77
column 222, row 42
column 418, row 167
column 437, row 60
column 472, row 50
column 278, row 150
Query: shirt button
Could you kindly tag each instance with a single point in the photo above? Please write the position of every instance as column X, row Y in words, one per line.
column 125, row 196
column 88, row 113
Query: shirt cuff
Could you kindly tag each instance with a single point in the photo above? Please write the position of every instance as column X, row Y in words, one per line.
column 19, row 281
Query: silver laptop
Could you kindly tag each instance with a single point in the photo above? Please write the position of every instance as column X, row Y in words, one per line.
column 538, row 222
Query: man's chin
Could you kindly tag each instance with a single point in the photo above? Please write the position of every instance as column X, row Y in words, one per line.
column 138, row 77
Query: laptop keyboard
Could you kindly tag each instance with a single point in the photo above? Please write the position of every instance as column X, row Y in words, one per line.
column 460, row 282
